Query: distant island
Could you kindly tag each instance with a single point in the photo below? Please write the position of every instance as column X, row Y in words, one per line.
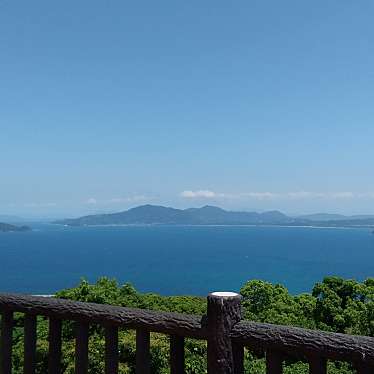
column 211, row 215
column 6, row 227
column 10, row 219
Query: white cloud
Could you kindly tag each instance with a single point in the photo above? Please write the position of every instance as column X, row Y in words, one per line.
column 117, row 200
column 305, row 195
column 322, row 195
column 130, row 199
column 206, row 194
column 343, row 195
column 258, row 195
column 367, row 195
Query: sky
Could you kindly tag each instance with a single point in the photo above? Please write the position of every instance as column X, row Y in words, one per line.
column 248, row 105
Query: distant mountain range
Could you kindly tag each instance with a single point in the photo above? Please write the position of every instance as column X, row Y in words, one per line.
column 6, row 227
column 211, row 215
column 10, row 219
column 323, row 217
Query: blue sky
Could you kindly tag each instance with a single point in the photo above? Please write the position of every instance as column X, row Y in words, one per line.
column 258, row 105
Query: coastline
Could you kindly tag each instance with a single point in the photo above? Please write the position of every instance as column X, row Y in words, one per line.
column 220, row 225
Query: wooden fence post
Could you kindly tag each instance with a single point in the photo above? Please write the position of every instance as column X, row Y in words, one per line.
column 224, row 311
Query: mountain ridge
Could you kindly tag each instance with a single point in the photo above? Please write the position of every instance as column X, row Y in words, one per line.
column 10, row 218
column 334, row 217
column 156, row 214
column 6, row 227
column 212, row 215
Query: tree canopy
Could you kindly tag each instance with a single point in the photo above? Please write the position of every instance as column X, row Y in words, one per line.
column 335, row 304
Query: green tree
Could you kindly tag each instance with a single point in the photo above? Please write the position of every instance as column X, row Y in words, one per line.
column 345, row 306
column 335, row 304
column 264, row 302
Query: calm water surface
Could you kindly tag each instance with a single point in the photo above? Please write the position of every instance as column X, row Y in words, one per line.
column 181, row 260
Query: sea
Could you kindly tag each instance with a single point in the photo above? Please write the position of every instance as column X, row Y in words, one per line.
column 182, row 260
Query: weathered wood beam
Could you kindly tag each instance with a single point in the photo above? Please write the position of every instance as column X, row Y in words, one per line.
column 81, row 348
column 54, row 356
column 107, row 315
column 224, row 311
column 317, row 365
column 176, row 354
column 303, row 343
column 274, row 362
column 111, row 350
column 143, row 356
column 30, row 344
column 6, row 342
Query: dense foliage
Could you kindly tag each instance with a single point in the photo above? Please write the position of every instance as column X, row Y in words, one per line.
column 335, row 304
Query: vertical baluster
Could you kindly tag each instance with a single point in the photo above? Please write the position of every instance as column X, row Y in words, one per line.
column 111, row 350
column 224, row 311
column 317, row 365
column 54, row 356
column 143, row 358
column 30, row 344
column 6, row 342
column 362, row 368
column 274, row 362
column 176, row 354
column 81, row 348
column 238, row 352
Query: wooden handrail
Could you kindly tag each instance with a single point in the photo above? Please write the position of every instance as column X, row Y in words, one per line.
column 106, row 315
column 304, row 343
column 225, row 333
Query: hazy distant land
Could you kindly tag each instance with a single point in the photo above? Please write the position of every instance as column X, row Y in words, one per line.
column 6, row 227
column 211, row 215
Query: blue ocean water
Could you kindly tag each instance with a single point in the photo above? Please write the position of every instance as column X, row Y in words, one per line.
column 181, row 259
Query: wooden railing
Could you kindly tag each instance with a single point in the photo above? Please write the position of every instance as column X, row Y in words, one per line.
column 222, row 327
